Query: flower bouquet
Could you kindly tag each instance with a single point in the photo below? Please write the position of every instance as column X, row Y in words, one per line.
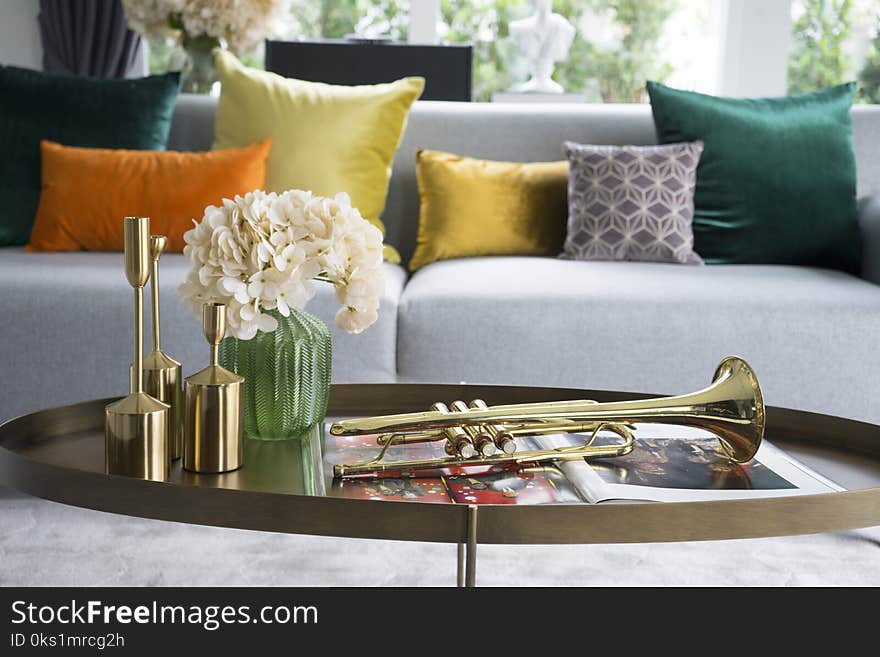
column 199, row 26
column 261, row 254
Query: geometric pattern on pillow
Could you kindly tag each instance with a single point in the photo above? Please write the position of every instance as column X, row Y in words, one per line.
column 632, row 202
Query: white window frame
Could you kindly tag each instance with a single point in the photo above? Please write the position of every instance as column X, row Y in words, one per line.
column 424, row 16
column 755, row 42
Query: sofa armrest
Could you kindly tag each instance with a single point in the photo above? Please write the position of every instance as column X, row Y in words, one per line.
column 869, row 220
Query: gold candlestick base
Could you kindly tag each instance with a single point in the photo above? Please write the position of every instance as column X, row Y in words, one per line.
column 214, row 422
column 136, row 439
column 162, row 379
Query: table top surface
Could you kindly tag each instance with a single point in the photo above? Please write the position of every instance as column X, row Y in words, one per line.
column 287, row 486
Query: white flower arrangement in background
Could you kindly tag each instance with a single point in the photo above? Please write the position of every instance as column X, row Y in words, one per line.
column 241, row 24
column 261, row 251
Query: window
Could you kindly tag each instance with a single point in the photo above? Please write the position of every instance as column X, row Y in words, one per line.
column 834, row 41
column 729, row 47
column 336, row 19
column 619, row 43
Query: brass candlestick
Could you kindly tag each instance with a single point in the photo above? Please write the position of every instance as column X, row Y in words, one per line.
column 163, row 377
column 214, row 418
column 136, row 426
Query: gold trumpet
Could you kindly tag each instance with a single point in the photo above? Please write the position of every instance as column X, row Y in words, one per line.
column 731, row 408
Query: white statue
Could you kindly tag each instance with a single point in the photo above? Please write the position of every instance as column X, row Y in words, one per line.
column 542, row 40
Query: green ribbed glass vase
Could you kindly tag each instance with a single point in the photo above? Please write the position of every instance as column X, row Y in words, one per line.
column 287, row 375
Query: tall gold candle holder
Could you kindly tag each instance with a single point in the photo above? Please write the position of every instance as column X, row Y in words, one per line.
column 136, row 426
column 214, row 418
column 163, row 377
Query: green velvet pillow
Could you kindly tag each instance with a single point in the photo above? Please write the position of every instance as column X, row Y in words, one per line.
column 777, row 179
column 74, row 111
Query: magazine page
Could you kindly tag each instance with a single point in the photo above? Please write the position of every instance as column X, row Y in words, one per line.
column 449, row 484
column 682, row 464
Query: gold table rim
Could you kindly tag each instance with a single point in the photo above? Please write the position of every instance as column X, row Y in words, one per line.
column 499, row 524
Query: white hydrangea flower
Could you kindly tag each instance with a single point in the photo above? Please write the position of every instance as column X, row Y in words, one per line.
column 241, row 24
column 151, row 17
column 261, row 252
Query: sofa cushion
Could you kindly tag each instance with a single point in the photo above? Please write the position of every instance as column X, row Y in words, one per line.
column 76, row 111
column 326, row 138
column 66, row 322
column 471, row 207
column 539, row 129
column 776, row 183
column 632, row 202
column 87, row 191
column 648, row 327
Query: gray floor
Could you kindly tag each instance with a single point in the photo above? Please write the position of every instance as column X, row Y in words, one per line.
column 48, row 544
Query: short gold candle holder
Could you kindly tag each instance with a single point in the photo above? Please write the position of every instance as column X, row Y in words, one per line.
column 163, row 376
column 214, row 417
column 136, row 426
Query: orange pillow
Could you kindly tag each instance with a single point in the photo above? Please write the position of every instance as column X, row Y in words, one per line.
column 87, row 191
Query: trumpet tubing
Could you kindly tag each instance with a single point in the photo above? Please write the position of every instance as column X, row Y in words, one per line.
column 731, row 408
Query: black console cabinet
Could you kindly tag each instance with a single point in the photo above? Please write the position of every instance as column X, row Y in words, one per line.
column 446, row 69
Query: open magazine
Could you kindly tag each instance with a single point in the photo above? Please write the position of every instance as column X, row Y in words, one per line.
column 681, row 464
column 669, row 464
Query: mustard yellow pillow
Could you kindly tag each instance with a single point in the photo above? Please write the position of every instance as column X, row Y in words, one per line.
column 325, row 138
column 475, row 207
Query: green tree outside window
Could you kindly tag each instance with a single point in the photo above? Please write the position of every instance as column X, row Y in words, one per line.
column 869, row 78
column 818, row 58
column 822, row 47
column 335, row 19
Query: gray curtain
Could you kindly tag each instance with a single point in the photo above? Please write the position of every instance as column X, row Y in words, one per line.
column 87, row 37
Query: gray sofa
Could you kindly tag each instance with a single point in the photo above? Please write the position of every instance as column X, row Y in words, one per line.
column 810, row 333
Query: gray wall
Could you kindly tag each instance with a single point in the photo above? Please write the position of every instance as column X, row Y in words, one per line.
column 19, row 35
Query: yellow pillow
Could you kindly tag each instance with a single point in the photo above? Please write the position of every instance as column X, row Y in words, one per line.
column 325, row 138
column 480, row 207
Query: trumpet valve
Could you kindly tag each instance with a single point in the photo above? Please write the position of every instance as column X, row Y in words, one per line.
column 458, row 438
column 484, row 444
column 459, row 444
column 481, row 440
column 502, row 440
column 505, row 441
column 466, row 450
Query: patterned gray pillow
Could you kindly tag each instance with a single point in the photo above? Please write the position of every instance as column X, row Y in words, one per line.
column 632, row 202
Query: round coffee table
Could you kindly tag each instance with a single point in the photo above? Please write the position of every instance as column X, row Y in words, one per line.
column 58, row 454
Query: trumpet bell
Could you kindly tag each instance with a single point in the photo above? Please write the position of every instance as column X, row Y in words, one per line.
column 741, row 418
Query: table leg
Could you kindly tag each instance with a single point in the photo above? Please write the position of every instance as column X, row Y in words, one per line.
column 467, row 552
column 460, row 578
column 470, row 579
